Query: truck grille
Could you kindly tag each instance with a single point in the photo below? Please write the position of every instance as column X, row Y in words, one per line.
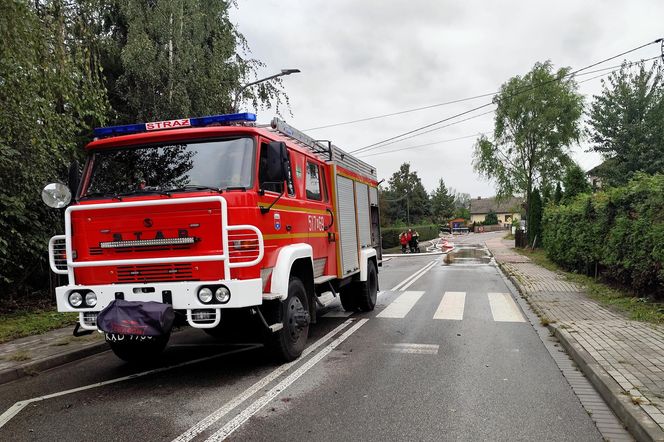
column 155, row 272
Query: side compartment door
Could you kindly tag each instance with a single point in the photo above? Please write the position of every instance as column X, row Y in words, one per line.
column 347, row 225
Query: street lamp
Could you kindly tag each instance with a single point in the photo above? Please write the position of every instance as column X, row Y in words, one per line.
column 271, row 77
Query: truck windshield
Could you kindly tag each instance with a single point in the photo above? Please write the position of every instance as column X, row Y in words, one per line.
column 217, row 164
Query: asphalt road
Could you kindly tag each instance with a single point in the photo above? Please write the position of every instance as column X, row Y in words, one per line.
column 446, row 355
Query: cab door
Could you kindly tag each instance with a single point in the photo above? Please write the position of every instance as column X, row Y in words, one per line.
column 319, row 217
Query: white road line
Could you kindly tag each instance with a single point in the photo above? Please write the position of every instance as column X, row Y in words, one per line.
column 18, row 406
column 337, row 314
column 259, row 403
column 451, row 306
column 421, row 349
column 503, row 308
column 401, row 306
column 416, row 274
column 201, row 426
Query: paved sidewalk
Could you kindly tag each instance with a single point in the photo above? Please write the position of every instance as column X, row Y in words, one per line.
column 624, row 359
column 28, row 356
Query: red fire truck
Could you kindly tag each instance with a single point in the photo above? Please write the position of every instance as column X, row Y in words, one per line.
column 222, row 220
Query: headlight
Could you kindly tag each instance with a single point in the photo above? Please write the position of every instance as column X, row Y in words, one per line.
column 90, row 299
column 222, row 294
column 56, row 195
column 75, row 299
column 205, row 295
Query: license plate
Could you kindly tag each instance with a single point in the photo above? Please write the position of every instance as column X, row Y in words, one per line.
column 116, row 337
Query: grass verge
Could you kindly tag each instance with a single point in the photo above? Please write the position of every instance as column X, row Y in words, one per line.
column 638, row 309
column 27, row 323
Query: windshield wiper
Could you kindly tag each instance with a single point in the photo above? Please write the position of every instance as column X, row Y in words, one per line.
column 242, row 188
column 187, row 187
column 112, row 195
column 146, row 192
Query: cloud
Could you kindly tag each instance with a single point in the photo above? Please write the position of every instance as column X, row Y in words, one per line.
column 365, row 58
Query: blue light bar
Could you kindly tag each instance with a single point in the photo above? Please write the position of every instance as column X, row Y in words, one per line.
column 227, row 118
column 101, row 132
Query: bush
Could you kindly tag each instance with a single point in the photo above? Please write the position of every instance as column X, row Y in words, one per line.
column 620, row 230
column 390, row 235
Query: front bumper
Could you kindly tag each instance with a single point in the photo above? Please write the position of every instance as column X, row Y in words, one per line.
column 182, row 295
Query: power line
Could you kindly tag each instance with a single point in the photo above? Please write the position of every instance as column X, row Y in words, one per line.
column 527, row 89
column 376, row 117
column 445, row 103
column 615, row 68
column 429, row 131
column 422, row 145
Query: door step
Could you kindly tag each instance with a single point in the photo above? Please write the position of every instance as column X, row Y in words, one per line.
column 325, row 299
column 323, row 279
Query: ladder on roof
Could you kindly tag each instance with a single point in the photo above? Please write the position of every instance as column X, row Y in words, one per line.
column 329, row 153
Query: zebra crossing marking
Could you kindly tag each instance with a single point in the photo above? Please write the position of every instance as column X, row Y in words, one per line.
column 400, row 307
column 503, row 308
column 451, row 306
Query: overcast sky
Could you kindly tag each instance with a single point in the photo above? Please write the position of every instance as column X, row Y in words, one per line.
column 362, row 58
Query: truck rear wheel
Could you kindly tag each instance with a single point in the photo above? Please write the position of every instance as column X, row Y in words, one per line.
column 139, row 351
column 368, row 290
column 288, row 343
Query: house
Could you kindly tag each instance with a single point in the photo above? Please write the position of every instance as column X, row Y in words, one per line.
column 597, row 174
column 506, row 210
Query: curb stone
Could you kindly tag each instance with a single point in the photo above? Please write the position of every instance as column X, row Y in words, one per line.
column 640, row 425
column 34, row 367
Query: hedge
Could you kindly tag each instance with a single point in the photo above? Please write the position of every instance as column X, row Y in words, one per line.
column 618, row 232
column 390, row 235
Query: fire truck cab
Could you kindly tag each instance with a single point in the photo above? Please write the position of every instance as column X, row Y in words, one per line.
column 215, row 218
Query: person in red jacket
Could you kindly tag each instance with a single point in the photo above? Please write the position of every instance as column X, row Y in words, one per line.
column 404, row 242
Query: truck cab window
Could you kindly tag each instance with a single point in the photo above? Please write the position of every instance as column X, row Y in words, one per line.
column 313, row 182
column 262, row 173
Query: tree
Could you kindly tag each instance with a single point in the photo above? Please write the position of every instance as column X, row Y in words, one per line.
column 558, row 194
column 409, row 200
column 627, row 123
column 67, row 66
column 535, row 218
column 52, row 95
column 462, row 212
column 575, row 181
column 491, row 219
column 537, row 117
column 460, row 199
column 442, row 203
column 173, row 58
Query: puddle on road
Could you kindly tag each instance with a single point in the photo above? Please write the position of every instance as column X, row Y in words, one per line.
column 468, row 254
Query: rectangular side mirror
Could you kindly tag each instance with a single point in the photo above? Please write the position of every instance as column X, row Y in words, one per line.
column 73, row 177
column 277, row 162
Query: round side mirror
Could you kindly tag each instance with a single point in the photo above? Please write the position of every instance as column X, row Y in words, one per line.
column 56, row 195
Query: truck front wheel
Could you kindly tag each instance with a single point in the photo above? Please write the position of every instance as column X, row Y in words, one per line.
column 139, row 351
column 288, row 343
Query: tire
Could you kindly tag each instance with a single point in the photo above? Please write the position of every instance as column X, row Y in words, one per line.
column 139, row 352
column 348, row 297
column 288, row 343
column 368, row 290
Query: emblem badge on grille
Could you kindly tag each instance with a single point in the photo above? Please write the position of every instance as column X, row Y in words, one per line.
column 147, row 222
